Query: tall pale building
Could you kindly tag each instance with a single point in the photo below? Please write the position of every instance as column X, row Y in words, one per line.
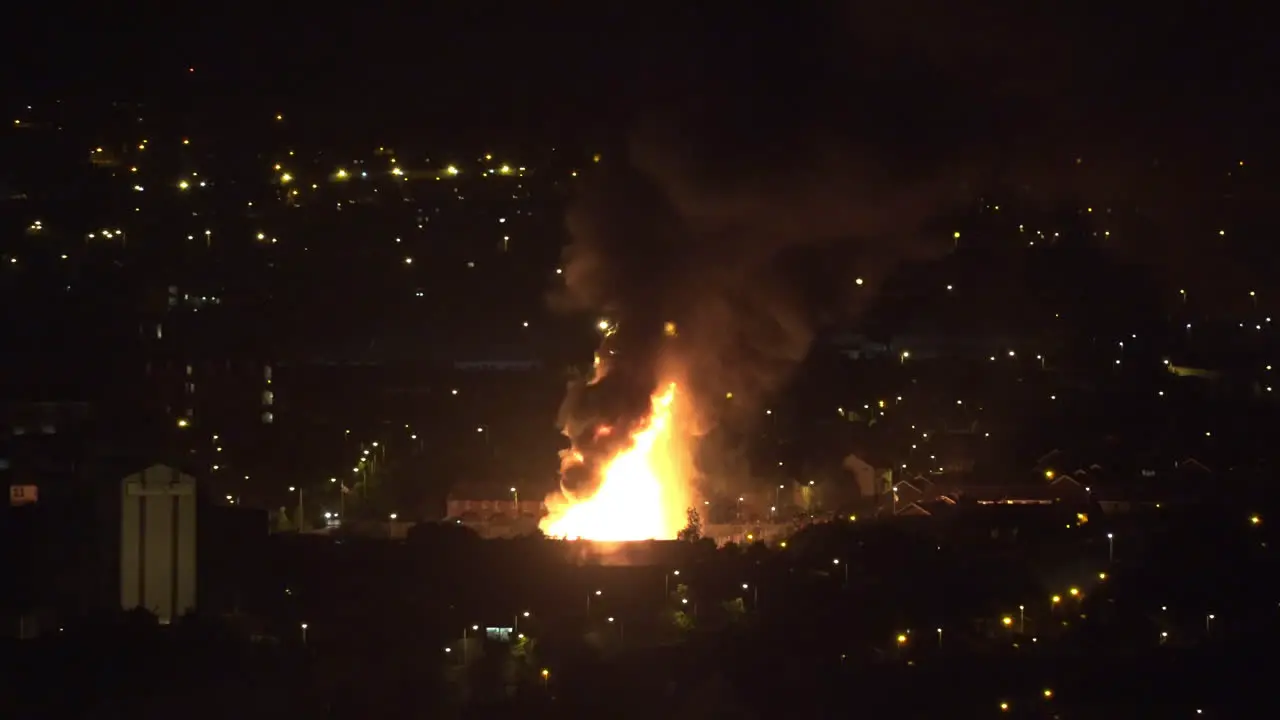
column 158, row 542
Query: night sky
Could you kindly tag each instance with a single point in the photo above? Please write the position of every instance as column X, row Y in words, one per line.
column 1187, row 63
column 894, row 106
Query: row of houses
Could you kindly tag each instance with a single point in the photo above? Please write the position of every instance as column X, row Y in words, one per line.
column 1092, row 485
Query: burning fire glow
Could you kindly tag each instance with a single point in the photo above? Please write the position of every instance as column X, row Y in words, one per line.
column 643, row 492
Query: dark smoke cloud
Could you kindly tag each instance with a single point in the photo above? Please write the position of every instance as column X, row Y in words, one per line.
column 746, row 267
column 754, row 187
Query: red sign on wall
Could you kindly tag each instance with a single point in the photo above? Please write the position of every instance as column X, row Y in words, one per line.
column 23, row 494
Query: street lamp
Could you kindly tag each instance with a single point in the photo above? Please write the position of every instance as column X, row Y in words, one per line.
column 298, row 490
column 755, row 594
column 342, row 497
column 666, row 582
column 597, row 593
column 836, row 561
column 516, row 624
column 1022, row 619
column 304, row 633
column 465, row 648
column 1111, row 548
column 685, row 602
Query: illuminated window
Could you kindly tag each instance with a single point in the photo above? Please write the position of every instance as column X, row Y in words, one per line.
column 268, row 418
column 268, row 397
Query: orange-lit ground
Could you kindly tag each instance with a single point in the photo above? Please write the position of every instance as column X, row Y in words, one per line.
column 643, row 492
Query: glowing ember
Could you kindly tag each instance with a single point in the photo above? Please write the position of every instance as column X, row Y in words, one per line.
column 643, row 493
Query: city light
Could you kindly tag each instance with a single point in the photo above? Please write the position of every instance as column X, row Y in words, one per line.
column 319, row 304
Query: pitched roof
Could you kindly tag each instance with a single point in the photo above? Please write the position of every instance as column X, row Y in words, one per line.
column 914, row 510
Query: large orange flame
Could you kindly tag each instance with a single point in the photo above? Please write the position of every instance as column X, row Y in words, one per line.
column 643, row 493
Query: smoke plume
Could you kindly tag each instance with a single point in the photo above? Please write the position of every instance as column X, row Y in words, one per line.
column 763, row 194
column 745, row 262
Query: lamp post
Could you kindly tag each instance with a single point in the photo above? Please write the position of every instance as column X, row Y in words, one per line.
column 1022, row 619
column 342, row 498
column 300, row 507
column 597, row 593
column 515, row 626
column 836, row 561
column 1111, row 548
column 466, row 650
column 666, row 582
column 685, row 602
column 391, row 526
column 304, row 633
